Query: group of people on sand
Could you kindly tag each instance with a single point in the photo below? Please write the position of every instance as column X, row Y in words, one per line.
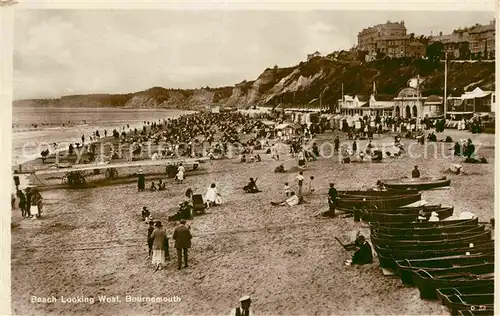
column 290, row 197
column 161, row 186
column 30, row 202
column 158, row 242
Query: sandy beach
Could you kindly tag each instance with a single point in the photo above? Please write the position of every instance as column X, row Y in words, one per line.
column 92, row 242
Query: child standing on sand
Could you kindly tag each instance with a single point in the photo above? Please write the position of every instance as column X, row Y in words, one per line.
column 311, row 184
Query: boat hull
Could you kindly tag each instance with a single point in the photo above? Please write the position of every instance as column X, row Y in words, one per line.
column 385, row 202
column 429, row 281
column 406, row 266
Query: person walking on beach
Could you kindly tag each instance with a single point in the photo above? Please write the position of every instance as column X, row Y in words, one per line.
column 151, row 228
column 141, row 182
column 180, row 173
column 28, row 202
column 182, row 237
column 332, row 200
column 158, row 236
column 300, row 181
column 301, row 158
column 83, row 139
column 310, row 185
column 34, row 202
column 274, row 153
column 22, row 202
column 336, row 144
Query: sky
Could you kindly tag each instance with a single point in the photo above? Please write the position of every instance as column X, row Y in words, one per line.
column 65, row 52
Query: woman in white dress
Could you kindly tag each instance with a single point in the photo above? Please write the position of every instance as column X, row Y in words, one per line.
column 211, row 196
column 160, row 245
column 180, row 173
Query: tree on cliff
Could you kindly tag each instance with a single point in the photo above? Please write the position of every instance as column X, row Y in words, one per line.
column 435, row 51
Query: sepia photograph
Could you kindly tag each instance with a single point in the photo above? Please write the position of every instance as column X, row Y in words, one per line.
column 252, row 162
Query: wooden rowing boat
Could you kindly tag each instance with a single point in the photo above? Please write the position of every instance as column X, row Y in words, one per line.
column 429, row 281
column 406, row 209
column 364, row 193
column 427, row 237
column 378, row 202
column 481, row 302
column 429, row 243
column 388, row 257
column 406, row 266
column 438, row 246
column 421, row 231
column 368, row 216
column 402, row 209
column 415, row 183
column 415, row 225
column 464, row 290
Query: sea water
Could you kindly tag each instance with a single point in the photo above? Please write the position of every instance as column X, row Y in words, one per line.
column 35, row 129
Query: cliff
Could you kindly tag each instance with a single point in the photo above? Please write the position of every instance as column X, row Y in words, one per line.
column 300, row 84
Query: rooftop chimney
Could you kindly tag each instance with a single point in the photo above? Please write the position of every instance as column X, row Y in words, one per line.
column 403, row 23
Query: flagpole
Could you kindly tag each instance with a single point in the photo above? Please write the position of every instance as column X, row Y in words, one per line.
column 342, row 97
column 445, row 85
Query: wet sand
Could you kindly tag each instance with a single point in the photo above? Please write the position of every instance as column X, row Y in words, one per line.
column 92, row 242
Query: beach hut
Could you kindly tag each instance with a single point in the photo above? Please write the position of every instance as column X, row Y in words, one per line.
column 287, row 129
column 269, row 128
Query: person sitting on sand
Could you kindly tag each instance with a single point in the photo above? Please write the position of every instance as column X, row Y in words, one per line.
column 161, row 185
column 212, row 196
column 363, row 253
column 153, row 186
column 280, row 169
column 291, row 201
column 243, row 158
column 415, row 172
column 145, row 213
column 470, row 149
column 251, row 187
column 286, row 189
column 457, row 149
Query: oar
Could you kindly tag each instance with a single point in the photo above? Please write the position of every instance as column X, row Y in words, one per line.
column 341, row 243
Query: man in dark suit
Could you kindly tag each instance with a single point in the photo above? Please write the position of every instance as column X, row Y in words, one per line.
column 332, row 200
column 141, row 181
column 182, row 237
